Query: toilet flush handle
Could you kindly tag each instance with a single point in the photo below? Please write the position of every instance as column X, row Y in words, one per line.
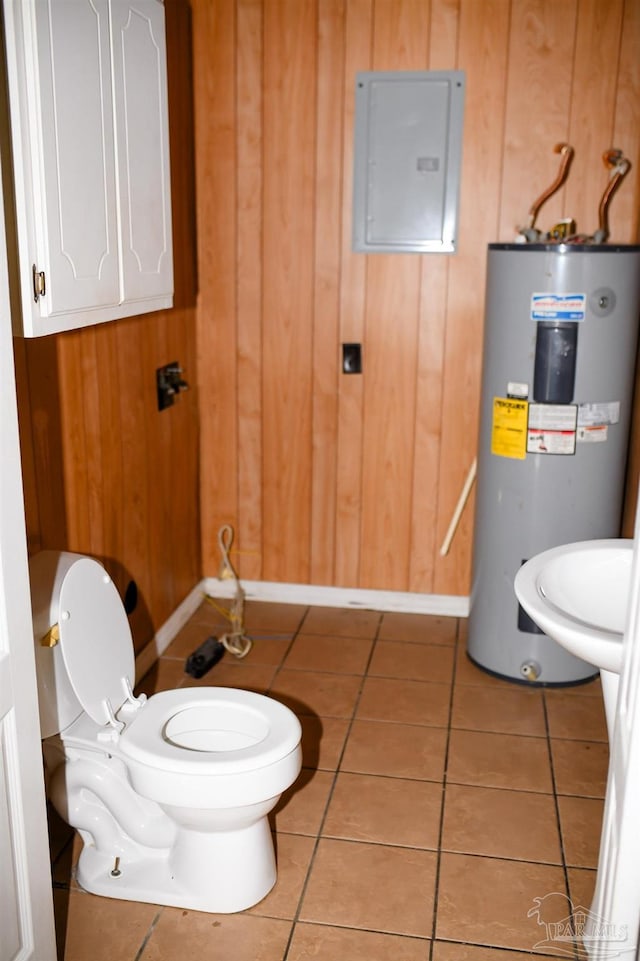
column 52, row 637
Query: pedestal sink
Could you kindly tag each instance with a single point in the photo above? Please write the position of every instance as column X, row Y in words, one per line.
column 577, row 594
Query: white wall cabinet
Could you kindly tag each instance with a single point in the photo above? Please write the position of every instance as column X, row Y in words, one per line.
column 87, row 86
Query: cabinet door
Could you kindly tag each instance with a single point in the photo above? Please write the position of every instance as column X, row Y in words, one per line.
column 79, row 240
column 140, row 90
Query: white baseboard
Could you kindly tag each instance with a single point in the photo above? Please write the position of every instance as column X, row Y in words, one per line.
column 165, row 634
column 444, row 605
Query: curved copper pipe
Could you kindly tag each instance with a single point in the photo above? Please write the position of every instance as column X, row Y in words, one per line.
column 566, row 151
column 619, row 166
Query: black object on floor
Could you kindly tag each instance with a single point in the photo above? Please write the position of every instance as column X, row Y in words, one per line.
column 204, row 657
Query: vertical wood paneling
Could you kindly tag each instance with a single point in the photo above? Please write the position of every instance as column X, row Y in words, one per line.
column 181, row 466
column 135, row 453
column 401, row 39
column 157, row 450
column 326, row 319
column 27, row 447
column 214, row 40
column 113, row 489
column 92, row 431
column 443, row 38
column 391, row 341
column 288, row 230
column 443, row 43
column 358, row 31
column 181, row 469
column 72, row 404
column 483, row 45
column 179, row 29
column 593, row 99
column 541, row 50
column 624, row 215
column 38, row 403
column 249, row 147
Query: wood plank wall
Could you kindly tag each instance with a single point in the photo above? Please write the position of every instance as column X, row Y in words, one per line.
column 105, row 473
column 352, row 480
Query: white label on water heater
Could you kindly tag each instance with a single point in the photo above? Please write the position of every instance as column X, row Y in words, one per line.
column 592, row 435
column 517, row 389
column 552, row 429
column 558, row 306
column 594, row 415
column 553, row 416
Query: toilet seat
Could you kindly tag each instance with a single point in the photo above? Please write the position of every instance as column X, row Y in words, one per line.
column 95, row 640
column 224, row 731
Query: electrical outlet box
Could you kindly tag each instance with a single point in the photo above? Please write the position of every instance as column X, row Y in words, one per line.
column 352, row 358
column 407, row 160
column 169, row 384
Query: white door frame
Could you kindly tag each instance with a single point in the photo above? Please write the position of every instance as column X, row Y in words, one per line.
column 26, row 902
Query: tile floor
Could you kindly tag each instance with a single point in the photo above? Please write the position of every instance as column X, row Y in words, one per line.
column 435, row 803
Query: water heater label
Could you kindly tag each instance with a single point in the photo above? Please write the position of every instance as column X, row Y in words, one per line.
column 592, row 435
column 558, row 306
column 509, row 427
column 596, row 415
column 552, row 429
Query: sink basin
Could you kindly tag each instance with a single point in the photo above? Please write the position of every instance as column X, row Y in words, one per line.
column 577, row 594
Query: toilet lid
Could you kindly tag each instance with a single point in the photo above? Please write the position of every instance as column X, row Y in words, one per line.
column 95, row 639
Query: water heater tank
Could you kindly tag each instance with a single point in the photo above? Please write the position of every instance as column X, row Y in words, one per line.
column 561, row 327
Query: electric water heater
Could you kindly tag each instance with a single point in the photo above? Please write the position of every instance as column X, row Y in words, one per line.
column 561, row 326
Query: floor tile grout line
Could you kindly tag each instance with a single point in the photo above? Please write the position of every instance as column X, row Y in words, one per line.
column 552, row 773
column 318, row 836
column 148, row 936
column 451, row 781
column 379, row 677
column 501, row 948
column 436, row 884
column 349, row 927
column 434, row 850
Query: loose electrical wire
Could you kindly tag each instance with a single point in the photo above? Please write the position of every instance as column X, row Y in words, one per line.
column 235, row 640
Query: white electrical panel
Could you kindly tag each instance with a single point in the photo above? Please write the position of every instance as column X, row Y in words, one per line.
column 407, row 159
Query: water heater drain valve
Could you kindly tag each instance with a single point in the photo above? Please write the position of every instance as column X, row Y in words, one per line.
column 530, row 670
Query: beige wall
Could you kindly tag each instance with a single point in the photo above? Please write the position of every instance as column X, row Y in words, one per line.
column 346, row 480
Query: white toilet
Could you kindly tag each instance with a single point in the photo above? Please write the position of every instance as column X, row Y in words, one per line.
column 170, row 794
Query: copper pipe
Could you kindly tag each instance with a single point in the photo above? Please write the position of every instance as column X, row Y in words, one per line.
column 619, row 167
column 566, row 151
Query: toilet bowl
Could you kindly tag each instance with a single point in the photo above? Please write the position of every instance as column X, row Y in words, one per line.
column 170, row 794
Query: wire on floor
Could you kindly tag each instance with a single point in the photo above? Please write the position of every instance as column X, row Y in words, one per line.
column 235, row 640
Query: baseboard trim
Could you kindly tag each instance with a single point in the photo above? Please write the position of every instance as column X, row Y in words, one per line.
column 403, row 602
column 166, row 633
column 444, row 605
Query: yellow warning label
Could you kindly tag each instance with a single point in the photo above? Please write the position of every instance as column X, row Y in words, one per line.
column 509, row 430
